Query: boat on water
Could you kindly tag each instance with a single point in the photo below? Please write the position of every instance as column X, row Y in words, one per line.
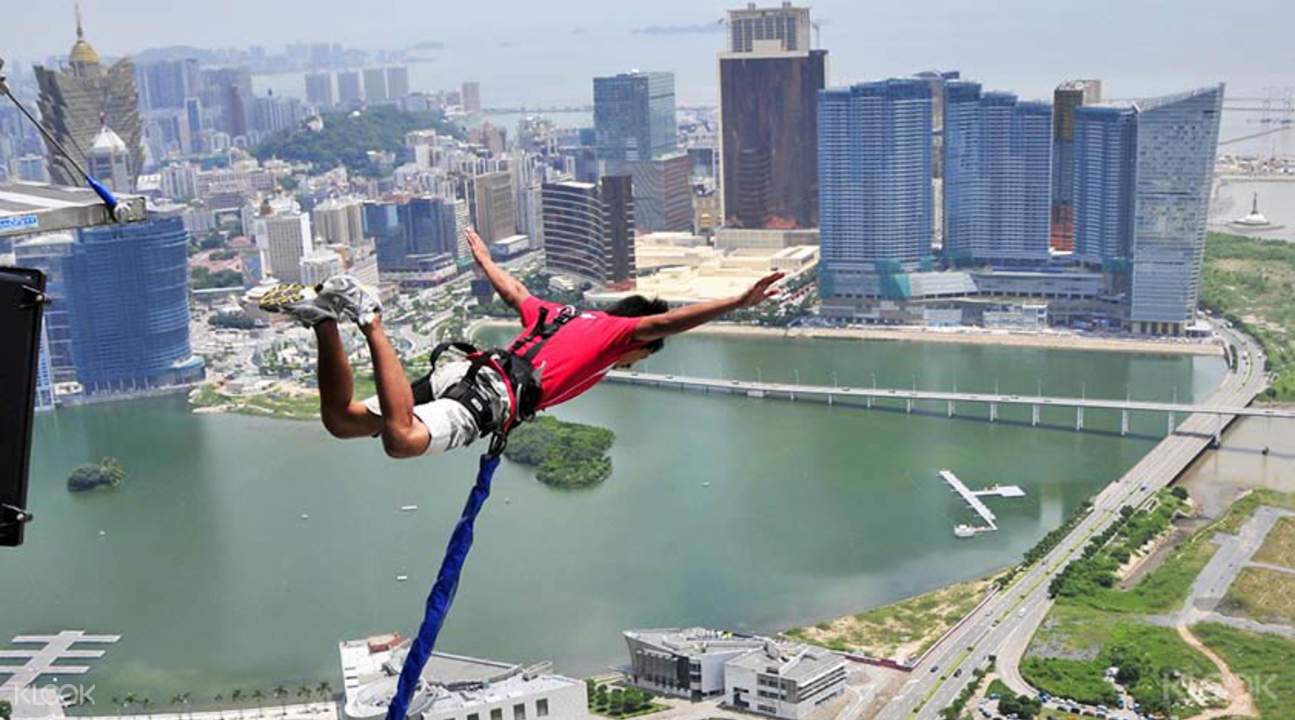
column 401, row 578
column 965, row 531
column 408, row 508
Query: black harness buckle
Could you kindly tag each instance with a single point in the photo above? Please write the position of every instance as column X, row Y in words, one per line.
column 519, row 375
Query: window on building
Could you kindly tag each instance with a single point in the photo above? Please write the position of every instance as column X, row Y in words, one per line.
column 541, row 708
column 474, row 716
column 519, row 711
column 497, row 714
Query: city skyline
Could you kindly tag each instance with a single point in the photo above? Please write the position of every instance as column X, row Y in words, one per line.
column 676, row 37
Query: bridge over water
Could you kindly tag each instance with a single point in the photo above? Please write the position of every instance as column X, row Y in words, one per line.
column 832, row 394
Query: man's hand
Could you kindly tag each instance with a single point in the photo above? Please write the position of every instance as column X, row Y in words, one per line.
column 760, row 291
column 477, row 246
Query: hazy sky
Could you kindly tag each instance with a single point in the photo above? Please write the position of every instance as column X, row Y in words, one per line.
column 545, row 52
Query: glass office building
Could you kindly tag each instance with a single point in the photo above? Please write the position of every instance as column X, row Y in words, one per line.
column 1142, row 186
column 874, row 182
column 128, row 289
column 1177, row 137
column 768, row 136
column 997, row 177
column 634, row 116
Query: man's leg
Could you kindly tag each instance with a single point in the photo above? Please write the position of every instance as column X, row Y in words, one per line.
column 342, row 415
column 403, row 434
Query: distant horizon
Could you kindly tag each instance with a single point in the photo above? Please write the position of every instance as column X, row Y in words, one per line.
column 522, row 57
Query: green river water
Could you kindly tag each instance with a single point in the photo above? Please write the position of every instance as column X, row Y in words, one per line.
column 206, row 569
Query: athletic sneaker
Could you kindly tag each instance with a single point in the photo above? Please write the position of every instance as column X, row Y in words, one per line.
column 300, row 302
column 350, row 298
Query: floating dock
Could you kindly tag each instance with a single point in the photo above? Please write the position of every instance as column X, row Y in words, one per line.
column 972, row 498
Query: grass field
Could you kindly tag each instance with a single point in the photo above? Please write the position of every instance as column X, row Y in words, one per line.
column 1084, row 635
column 1263, row 662
column 1252, row 283
column 1165, row 588
column 1279, row 547
column 1072, row 649
column 1267, row 596
column 902, row 630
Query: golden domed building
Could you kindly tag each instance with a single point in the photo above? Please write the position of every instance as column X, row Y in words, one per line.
column 78, row 100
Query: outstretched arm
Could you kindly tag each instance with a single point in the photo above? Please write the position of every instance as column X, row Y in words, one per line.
column 509, row 288
column 655, row 327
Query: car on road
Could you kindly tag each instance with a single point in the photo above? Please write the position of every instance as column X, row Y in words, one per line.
column 934, row 668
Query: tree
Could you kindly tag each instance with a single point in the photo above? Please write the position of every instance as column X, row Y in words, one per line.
column 6, row 709
column 257, row 697
column 325, row 689
column 281, row 693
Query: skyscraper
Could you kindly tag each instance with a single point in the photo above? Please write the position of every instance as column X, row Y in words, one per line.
column 1141, row 192
column 74, row 101
column 1105, row 161
column 874, row 165
column 410, row 229
column 168, row 83
column 319, row 89
column 589, row 229
column 662, row 193
column 348, row 88
column 1177, row 140
column 375, row 85
column 471, row 92
column 780, row 28
column 635, row 134
column 226, row 92
column 1067, row 97
column 496, row 216
column 283, row 233
column 339, row 221
column 997, row 174
column 397, row 81
column 634, row 117
column 51, row 254
column 768, row 128
column 128, row 288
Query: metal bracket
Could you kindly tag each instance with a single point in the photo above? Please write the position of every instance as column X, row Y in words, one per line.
column 10, row 515
column 34, row 298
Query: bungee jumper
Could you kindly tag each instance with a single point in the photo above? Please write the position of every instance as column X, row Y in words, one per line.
column 560, row 353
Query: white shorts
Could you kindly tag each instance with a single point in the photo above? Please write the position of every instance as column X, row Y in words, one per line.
column 448, row 422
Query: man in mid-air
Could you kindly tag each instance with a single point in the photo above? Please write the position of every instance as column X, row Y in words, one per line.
column 561, row 353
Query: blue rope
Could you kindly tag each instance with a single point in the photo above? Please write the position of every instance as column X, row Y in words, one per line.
column 442, row 595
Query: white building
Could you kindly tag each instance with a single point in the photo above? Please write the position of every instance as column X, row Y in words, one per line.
column 320, row 265
column 339, row 220
column 283, row 233
column 754, row 674
column 784, row 680
column 684, row 662
column 180, row 181
column 463, row 688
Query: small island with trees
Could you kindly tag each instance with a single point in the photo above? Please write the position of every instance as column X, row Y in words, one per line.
column 565, row 454
column 107, row 473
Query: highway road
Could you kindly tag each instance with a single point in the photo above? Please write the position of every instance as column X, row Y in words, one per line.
column 1004, row 625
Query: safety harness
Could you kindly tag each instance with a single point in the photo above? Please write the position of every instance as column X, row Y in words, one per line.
column 515, row 364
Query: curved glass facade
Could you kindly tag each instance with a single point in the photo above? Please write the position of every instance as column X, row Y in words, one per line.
column 129, row 287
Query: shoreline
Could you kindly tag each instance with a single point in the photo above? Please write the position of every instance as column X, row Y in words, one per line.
column 961, row 336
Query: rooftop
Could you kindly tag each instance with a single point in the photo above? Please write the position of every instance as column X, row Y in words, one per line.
column 695, row 641
column 37, row 207
column 793, row 661
column 370, row 668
